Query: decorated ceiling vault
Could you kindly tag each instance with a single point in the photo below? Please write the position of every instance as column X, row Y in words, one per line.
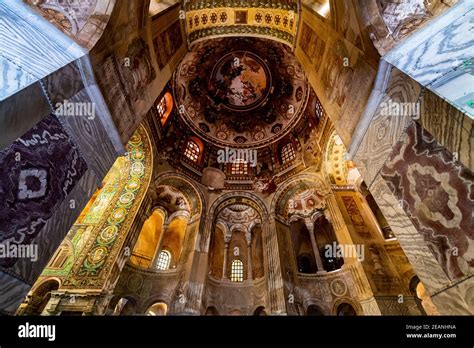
column 237, row 158
column 240, row 92
column 262, row 18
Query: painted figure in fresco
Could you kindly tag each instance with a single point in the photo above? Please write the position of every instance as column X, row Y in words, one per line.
column 138, row 71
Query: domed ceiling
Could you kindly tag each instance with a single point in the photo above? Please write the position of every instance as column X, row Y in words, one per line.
column 240, row 92
column 238, row 213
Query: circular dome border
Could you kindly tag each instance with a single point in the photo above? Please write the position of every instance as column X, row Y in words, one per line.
column 283, row 110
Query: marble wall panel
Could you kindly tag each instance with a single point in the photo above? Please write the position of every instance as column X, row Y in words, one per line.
column 437, row 194
column 37, row 173
column 386, row 127
column 82, row 20
column 56, row 228
column 63, row 83
column 31, row 45
column 389, row 22
column 437, row 48
column 12, row 293
column 91, row 136
column 415, row 247
column 79, row 108
column 439, row 56
column 452, row 128
column 18, row 116
column 12, row 78
column 458, row 299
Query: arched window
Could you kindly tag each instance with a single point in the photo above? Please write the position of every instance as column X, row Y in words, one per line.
column 164, row 107
column 161, row 108
column 192, row 151
column 164, row 260
column 239, row 167
column 318, row 110
column 288, row 153
column 237, row 271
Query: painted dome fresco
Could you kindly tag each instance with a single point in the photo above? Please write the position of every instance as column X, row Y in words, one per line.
column 240, row 92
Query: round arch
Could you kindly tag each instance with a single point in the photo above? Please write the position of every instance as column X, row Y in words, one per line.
column 260, row 311
column 182, row 183
column 210, row 20
column 157, row 309
column 290, row 187
column 116, row 224
column 122, row 305
column 40, row 296
column 211, row 311
column 314, row 310
column 223, row 201
column 346, row 304
column 338, row 170
column 149, row 302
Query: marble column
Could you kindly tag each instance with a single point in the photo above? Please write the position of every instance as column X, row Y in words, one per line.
column 226, row 251
column 334, row 216
column 249, row 256
column 273, row 269
column 197, row 272
column 317, row 256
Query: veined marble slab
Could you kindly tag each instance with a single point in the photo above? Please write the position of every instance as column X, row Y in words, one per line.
column 30, row 47
column 12, row 78
column 439, row 56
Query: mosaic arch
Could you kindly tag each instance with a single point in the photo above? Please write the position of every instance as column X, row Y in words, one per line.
column 232, row 203
column 237, row 217
column 175, row 189
column 338, row 170
column 228, row 200
column 98, row 236
column 305, row 192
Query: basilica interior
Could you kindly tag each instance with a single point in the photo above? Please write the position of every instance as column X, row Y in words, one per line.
column 237, row 157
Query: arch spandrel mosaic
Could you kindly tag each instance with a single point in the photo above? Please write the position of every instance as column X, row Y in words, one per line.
column 98, row 239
